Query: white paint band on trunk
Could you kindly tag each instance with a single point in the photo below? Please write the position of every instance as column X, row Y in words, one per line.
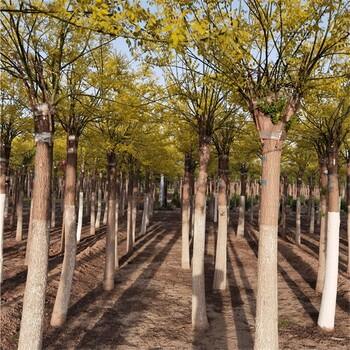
column 329, row 295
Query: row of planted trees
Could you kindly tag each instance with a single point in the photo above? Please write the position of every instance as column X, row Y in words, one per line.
column 271, row 62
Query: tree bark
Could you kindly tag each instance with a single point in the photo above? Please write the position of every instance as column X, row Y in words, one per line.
column 221, row 245
column 312, row 205
column 5, row 149
column 266, row 334
column 53, row 197
column 186, row 213
column 60, row 308
column 19, row 205
column 81, row 203
column 93, row 205
column 241, row 219
column 108, row 281
column 284, row 208
column 32, row 321
column 129, row 241
column 298, row 212
column 329, row 296
column 323, row 227
column 99, row 202
column 199, row 314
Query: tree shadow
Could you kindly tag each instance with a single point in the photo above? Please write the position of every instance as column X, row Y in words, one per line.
column 110, row 329
column 243, row 330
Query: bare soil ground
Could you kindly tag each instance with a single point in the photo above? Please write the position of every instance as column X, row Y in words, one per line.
column 150, row 307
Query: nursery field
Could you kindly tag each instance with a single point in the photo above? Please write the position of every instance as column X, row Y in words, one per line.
column 150, row 306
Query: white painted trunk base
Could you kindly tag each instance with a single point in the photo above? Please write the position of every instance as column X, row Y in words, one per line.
column 329, row 295
column 241, row 219
column 80, row 215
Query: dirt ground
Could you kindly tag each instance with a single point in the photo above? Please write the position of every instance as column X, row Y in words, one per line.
column 150, row 307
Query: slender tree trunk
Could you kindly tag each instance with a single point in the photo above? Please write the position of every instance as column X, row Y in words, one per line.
column 81, row 204
column 221, row 245
column 199, row 314
column 241, row 219
column 5, row 149
column 312, row 205
column 60, row 308
column 134, row 204
column 93, row 205
column 19, row 206
column 266, row 334
column 284, row 208
column 186, row 213
column 252, row 195
column 129, row 241
column 323, row 227
column 14, row 198
column 53, row 197
column 117, row 200
column 329, row 296
column 146, row 203
column 32, row 321
column 99, row 202
column 298, row 213
column 108, row 281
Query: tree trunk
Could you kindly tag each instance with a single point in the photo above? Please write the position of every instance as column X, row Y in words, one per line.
column 116, row 229
column 53, row 197
column 129, row 241
column 146, row 204
column 108, row 281
column 221, row 245
column 298, row 213
column 284, row 208
column 186, row 213
column 241, row 219
column 93, row 205
column 99, row 202
column 134, row 204
column 312, row 205
column 19, row 206
column 266, row 334
column 5, row 149
column 323, row 227
column 32, row 321
column 329, row 295
column 60, row 308
column 14, row 198
column 199, row 314
column 81, row 204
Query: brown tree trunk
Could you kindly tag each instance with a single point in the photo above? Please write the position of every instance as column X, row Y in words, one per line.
column 5, row 149
column 284, row 208
column 60, row 309
column 298, row 212
column 93, row 204
column 129, row 240
column 241, row 219
column 221, row 245
column 32, row 320
column 323, row 227
column 199, row 314
column 19, row 206
column 186, row 213
column 266, row 334
column 108, row 281
column 53, row 197
column 312, row 205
